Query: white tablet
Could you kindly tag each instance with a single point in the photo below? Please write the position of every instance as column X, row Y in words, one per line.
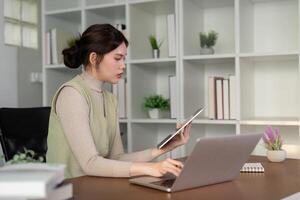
column 169, row 137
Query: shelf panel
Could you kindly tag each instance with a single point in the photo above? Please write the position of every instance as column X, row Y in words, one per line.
column 209, row 121
column 271, row 121
column 103, row 4
column 271, row 56
column 155, row 121
column 211, row 59
column 152, row 61
column 122, row 120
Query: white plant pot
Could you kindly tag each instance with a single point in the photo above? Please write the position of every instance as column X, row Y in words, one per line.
column 153, row 113
column 155, row 53
column 276, row 155
column 207, row 51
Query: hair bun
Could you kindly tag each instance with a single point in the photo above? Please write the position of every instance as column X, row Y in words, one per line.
column 72, row 55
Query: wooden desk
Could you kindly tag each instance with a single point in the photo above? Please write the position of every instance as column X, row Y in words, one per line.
column 278, row 181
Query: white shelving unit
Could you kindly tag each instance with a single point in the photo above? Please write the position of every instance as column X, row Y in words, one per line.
column 258, row 43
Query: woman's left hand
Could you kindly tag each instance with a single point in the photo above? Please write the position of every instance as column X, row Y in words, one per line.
column 179, row 139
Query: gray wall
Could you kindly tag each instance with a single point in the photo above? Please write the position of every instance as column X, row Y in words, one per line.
column 16, row 64
column 8, row 69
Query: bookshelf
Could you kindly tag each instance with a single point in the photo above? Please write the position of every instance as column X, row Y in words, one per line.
column 258, row 43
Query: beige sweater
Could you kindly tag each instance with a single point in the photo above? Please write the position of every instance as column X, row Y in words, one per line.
column 72, row 111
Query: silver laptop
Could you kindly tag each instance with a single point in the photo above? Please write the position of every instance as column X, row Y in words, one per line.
column 213, row 160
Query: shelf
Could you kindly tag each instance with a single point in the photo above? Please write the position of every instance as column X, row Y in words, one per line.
column 209, row 121
column 195, row 82
column 69, row 21
column 107, row 14
column 152, row 60
column 63, row 11
column 141, row 1
column 210, row 15
column 103, row 3
column 268, row 26
column 154, row 14
column 55, row 5
column 271, row 121
column 211, row 59
column 148, row 79
column 269, row 87
column 155, row 121
column 269, row 56
column 61, row 66
column 122, row 120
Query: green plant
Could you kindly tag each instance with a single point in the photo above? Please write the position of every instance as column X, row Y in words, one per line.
column 208, row 39
column 154, row 43
column 28, row 156
column 71, row 41
column 156, row 101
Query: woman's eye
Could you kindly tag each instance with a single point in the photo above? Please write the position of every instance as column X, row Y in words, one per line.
column 118, row 59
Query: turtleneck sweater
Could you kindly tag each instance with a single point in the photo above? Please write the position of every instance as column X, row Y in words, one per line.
column 73, row 112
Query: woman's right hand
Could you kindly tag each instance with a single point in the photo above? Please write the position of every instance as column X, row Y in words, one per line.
column 157, row 169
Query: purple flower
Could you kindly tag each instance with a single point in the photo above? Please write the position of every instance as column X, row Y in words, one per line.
column 270, row 135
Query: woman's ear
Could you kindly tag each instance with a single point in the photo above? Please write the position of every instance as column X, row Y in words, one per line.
column 93, row 57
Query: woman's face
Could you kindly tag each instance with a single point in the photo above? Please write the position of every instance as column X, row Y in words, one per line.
column 112, row 66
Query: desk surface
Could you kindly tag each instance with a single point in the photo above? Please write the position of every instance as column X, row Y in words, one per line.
column 278, row 181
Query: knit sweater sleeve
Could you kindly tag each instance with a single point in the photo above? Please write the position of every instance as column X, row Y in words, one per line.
column 72, row 111
column 117, row 151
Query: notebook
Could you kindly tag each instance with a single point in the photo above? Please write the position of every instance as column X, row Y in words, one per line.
column 253, row 167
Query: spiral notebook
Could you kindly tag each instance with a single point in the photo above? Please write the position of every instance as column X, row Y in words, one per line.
column 253, row 168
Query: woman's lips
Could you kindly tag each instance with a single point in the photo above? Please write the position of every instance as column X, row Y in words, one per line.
column 119, row 75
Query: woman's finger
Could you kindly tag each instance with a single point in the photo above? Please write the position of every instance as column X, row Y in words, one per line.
column 175, row 162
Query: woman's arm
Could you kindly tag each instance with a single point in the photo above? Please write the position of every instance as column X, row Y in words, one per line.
column 117, row 151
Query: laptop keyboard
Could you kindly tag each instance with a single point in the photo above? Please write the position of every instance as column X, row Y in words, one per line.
column 166, row 183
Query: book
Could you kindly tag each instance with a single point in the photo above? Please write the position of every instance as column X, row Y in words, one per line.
column 171, row 35
column 219, row 96
column 59, row 41
column 232, row 97
column 212, row 98
column 48, row 48
column 173, row 96
column 253, row 167
column 30, row 180
column 226, row 99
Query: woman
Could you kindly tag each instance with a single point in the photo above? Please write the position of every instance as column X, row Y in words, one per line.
column 84, row 129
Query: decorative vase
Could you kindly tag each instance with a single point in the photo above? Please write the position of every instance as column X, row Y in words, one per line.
column 155, row 53
column 276, row 155
column 154, row 113
column 207, row 50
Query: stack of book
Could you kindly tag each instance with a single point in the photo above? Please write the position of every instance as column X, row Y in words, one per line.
column 55, row 42
column 222, row 97
column 34, row 181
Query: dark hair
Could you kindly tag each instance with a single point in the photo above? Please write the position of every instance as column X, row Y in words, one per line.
column 98, row 38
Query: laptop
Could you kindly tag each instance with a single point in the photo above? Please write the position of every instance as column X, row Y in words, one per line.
column 213, row 160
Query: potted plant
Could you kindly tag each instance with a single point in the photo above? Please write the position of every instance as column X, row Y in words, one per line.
column 28, row 156
column 273, row 143
column 207, row 41
column 154, row 104
column 155, row 46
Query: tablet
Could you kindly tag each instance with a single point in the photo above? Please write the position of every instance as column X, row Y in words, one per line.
column 169, row 137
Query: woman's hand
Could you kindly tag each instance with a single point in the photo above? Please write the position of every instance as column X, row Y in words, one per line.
column 157, row 169
column 179, row 139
